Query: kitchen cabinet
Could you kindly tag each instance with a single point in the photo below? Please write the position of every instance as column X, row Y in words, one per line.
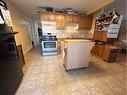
column 60, row 21
column 81, row 22
column 110, row 53
column 69, row 18
column 72, row 18
column 52, row 16
column 48, row 16
column 85, row 22
column 76, row 18
column 45, row 16
column 98, row 50
column 100, row 36
column 106, row 52
column 88, row 22
column 106, row 32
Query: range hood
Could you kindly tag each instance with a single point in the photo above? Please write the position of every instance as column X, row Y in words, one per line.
column 71, row 28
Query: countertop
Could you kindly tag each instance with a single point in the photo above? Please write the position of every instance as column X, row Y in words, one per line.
column 75, row 40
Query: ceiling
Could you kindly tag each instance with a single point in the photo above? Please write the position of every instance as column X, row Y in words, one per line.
column 90, row 6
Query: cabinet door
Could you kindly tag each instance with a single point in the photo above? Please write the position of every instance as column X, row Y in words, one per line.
column 60, row 21
column 69, row 18
column 85, row 22
column 72, row 18
column 98, row 50
column 75, row 18
column 44, row 16
column 106, row 53
column 52, row 16
column 88, row 22
column 100, row 35
column 48, row 16
column 81, row 22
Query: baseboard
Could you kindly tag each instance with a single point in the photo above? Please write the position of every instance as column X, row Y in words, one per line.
column 27, row 50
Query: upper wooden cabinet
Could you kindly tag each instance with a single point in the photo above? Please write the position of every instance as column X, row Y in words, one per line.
column 69, row 18
column 45, row 16
column 60, row 21
column 85, row 22
column 101, row 36
column 76, row 18
column 48, row 16
column 52, row 16
column 72, row 18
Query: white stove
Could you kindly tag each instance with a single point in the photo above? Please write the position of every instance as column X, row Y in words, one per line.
column 49, row 40
column 49, row 44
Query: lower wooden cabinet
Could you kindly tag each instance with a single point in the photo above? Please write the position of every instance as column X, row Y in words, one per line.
column 110, row 53
column 98, row 50
column 105, row 52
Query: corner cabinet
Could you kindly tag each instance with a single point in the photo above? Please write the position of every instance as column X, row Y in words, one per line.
column 85, row 22
column 101, row 36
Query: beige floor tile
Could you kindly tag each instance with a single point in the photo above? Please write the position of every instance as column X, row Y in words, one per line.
column 45, row 75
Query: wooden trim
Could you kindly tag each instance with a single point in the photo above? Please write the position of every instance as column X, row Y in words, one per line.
column 20, row 54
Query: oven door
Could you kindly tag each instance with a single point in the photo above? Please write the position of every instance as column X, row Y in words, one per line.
column 49, row 45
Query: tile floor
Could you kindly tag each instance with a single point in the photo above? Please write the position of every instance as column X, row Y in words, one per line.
column 121, row 58
column 47, row 76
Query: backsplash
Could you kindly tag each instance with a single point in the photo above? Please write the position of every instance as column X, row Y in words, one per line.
column 78, row 34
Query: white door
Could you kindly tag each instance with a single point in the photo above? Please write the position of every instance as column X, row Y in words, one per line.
column 31, row 31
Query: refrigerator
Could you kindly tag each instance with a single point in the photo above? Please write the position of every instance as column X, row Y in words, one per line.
column 11, row 73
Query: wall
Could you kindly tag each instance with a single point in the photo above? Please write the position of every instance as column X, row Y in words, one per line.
column 36, row 36
column 95, row 15
column 20, row 25
column 120, row 5
column 99, row 6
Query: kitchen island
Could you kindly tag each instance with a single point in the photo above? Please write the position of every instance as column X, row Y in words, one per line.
column 71, row 36
column 76, row 53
